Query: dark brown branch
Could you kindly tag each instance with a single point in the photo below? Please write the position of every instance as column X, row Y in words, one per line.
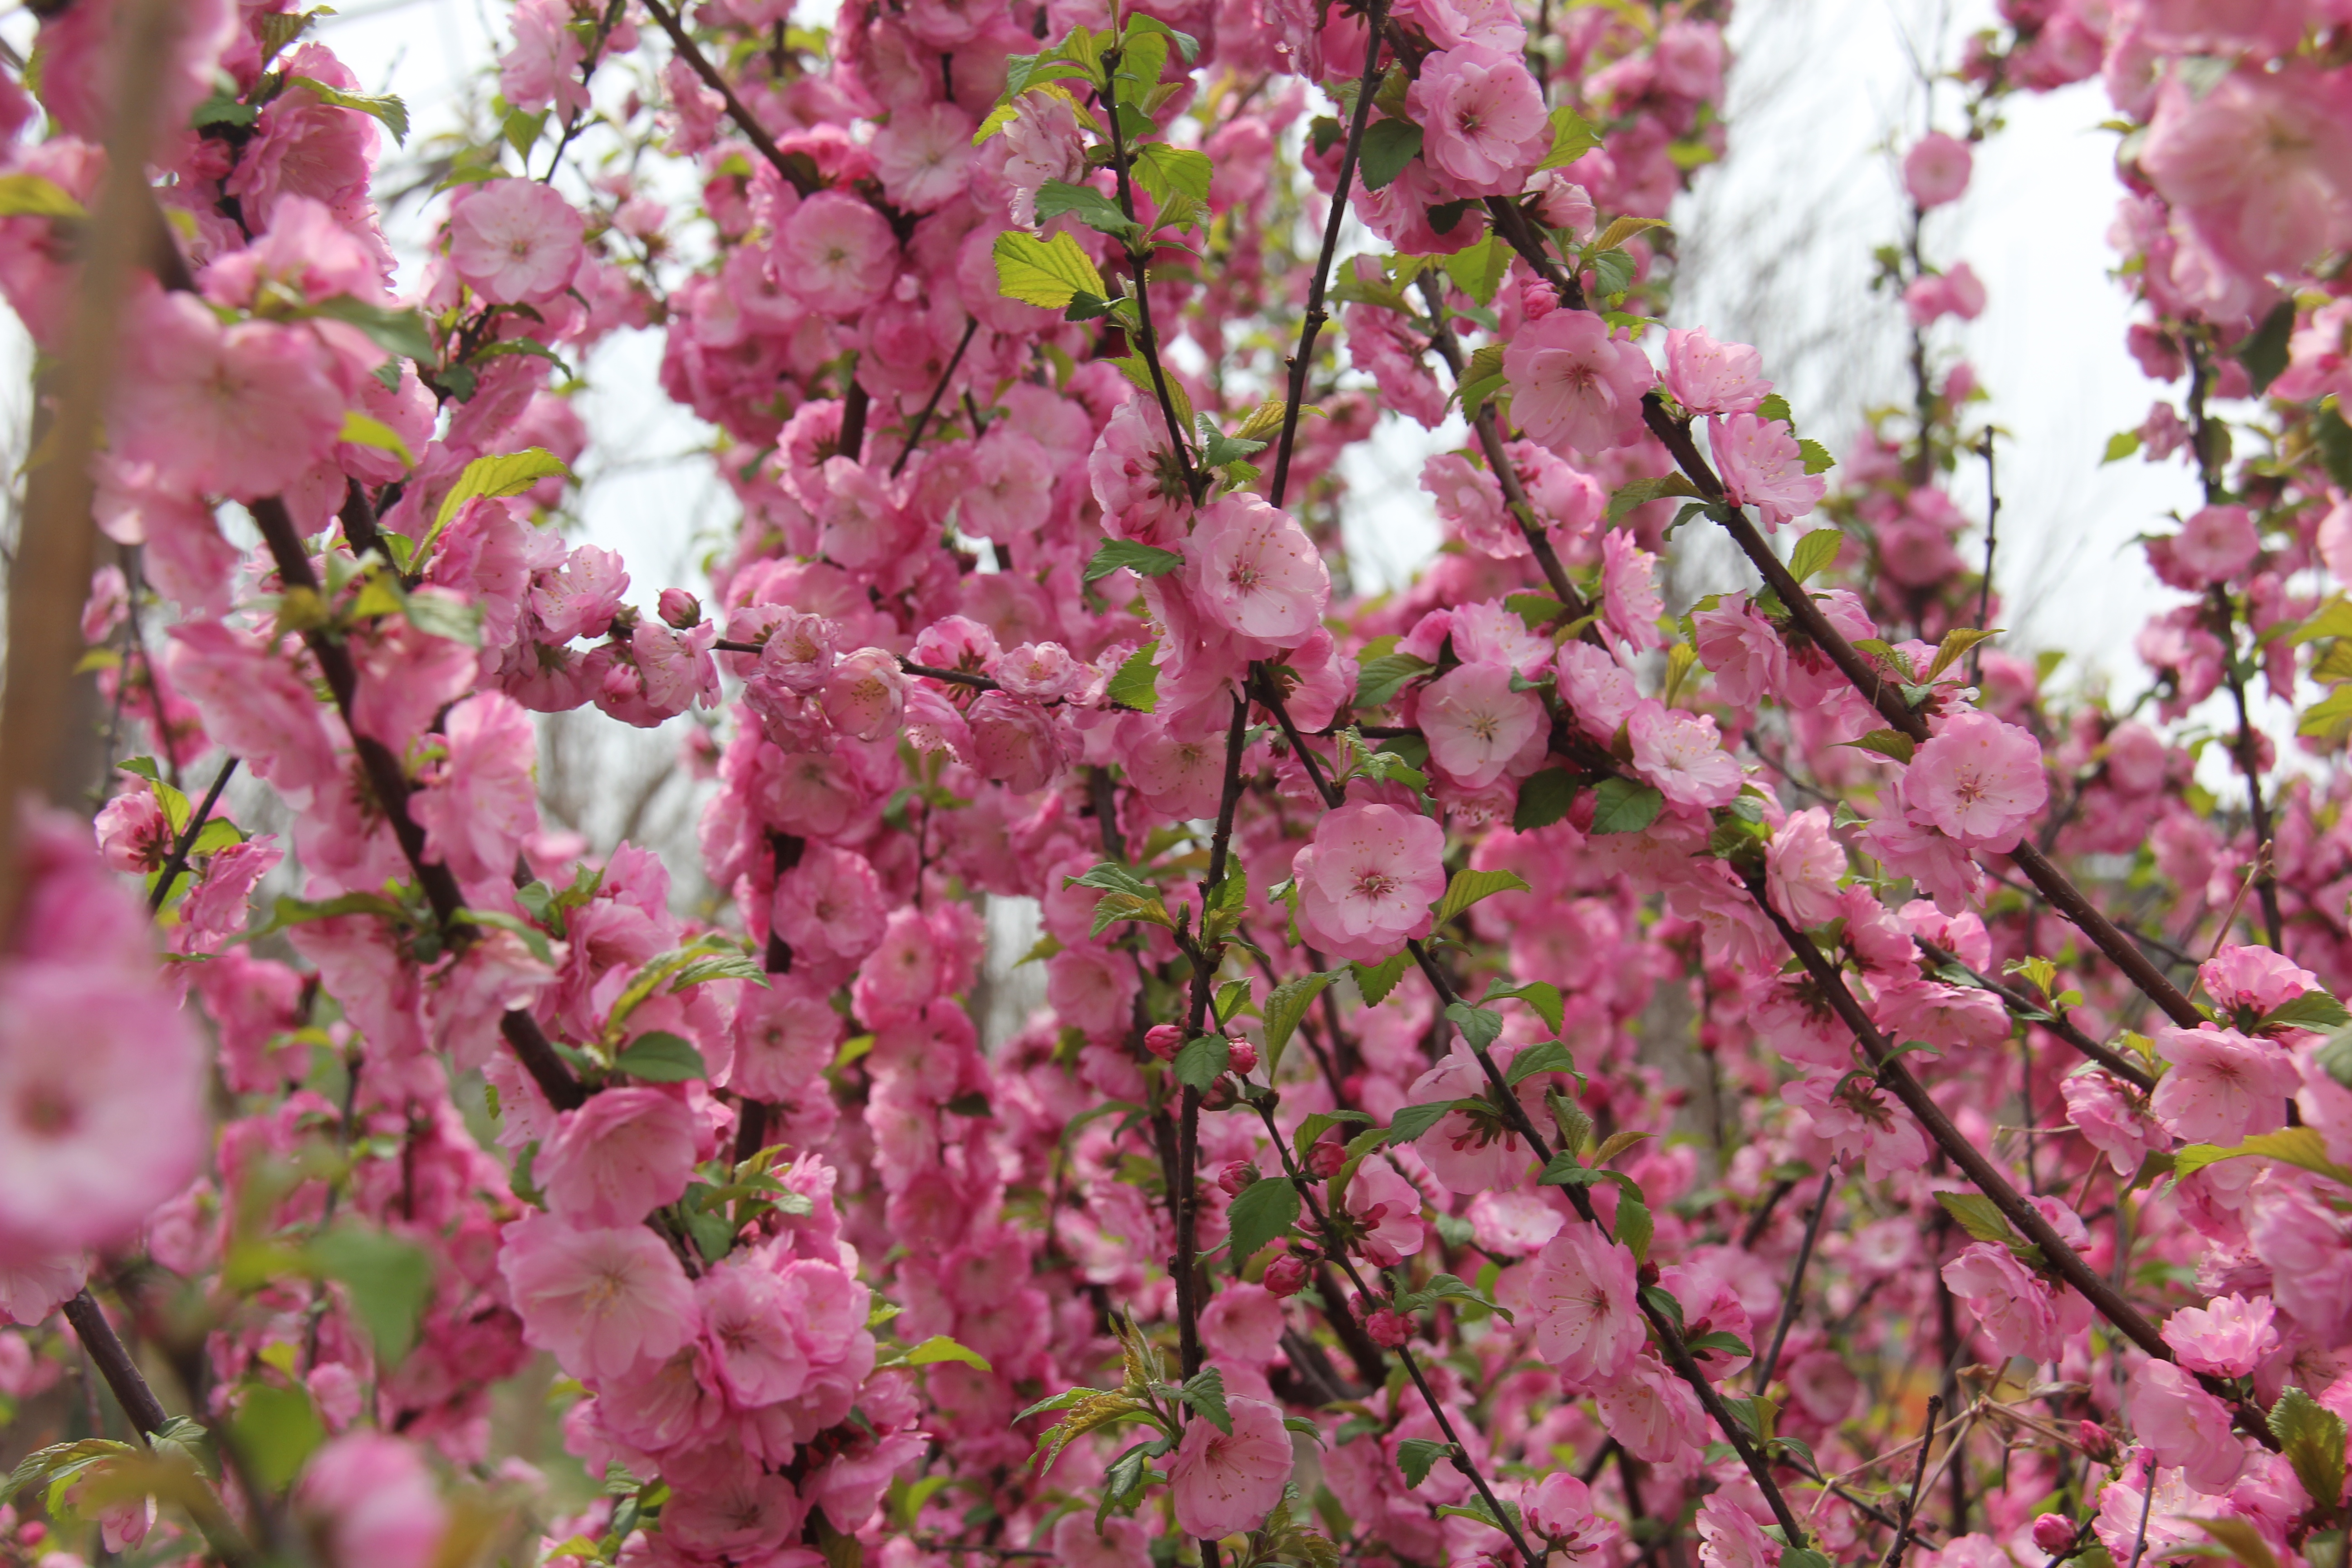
column 112, row 1359
column 1795, row 1293
column 938, row 390
column 1138, row 259
column 180, row 851
column 1303, row 360
column 2017, row 1002
column 801, row 175
column 1918, row 1475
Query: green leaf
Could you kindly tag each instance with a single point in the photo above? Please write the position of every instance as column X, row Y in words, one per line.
column 1814, row 553
column 1612, row 273
column 1478, row 269
column 1716, row 1340
column 1044, row 272
column 1540, row 994
column 1469, row 887
column 1188, row 47
column 718, row 966
column 1892, row 743
column 31, row 195
column 1546, row 796
column 443, row 615
column 362, row 430
column 2264, row 351
column 391, row 1280
column 1379, row 680
column 1202, row 1060
column 1412, row 1121
column 2301, row 1147
column 1979, row 1215
column 510, row 475
column 1388, row 146
column 1136, row 685
column 402, row 333
column 659, row 1057
column 1311, row 1128
column 1640, row 492
column 1954, row 647
column 1231, row 997
column 276, row 1430
column 1623, row 805
column 2333, row 439
column 1572, row 136
column 1776, row 407
column 940, row 1348
column 1635, row 1225
column 2314, row 1010
column 2312, row 1437
column 1263, row 1210
column 1479, row 1025
column 1417, row 1456
column 1088, row 205
column 1548, row 1056
column 2120, row 445
column 387, row 108
column 1374, row 982
column 532, row 937
column 1285, row 1006
column 1170, row 171
column 1143, row 560
column 1204, row 1390
column 2239, row 1539
column 1817, row 457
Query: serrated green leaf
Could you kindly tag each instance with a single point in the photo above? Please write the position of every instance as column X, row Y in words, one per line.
column 1640, row 492
column 1170, row 171
column 1286, row 1007
column 1469, row 887
column 2313, row 1010
column 1143, row 560
column 1979, row 1215
column 1817, row 457
column 1548, row 1056
column 509, row 475
column 1635, row 1225
column 1204, row 1390
column 1261, row 1212
column 1539, row 994
column 940, row 1348
column 1202, row 1060
column 2301, row 1147
column 1088, row 205
column 1388, row 146
column 1572, row 136
column 1623, row 805
column 387, row 108
column 1814, row 553
column 1379, row 680
column 1048, row 273
column 660, row 1057
column 1136, row 685
column 1374, row 982
column 2311, row 1435
column 1479, row 1025
column 1417, row 1456
column 1410, row 1122
column 1892, row 743
column 1546, row 796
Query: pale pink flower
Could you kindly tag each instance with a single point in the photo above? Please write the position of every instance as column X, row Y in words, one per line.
column 1653, row 1413
column 922, row 155
column 2184, row 1426
column 2012, row 1306
column 542, row 71
column 619, row 1157
column 2216, row 544
column 1475, row 724
column 1009, row 492
column 1471, row 502
column 865, row 694
column 1728, row 1538
column 1598, row 689
column 1367, row 880
column 1950, row 1018
column 1574, row 386
column 2260, row 165
column 1956, row 292
column 1042, row 143
column 479, row 803
column 1936, row 170
column 133, row 835
column 2310, row 1259
column 1744, row 650
column 2228, row 1337
column 1859, row 1120
column 1801, row 868
column 1244, row 1323
column 1226, row 1483
column 1042, row 672
column 1179, row 773
column 1015, row 742
column 1560, row 1511
column 1762, row 467
column 2222, row 1086
column 1389, row 1208
column 1136, row 475
column 1255, row 571
column 374, row 1501
column 241, row 410
column 2244, row 979
column 798, row 654
column 1630, row 604
column 32, row 1289
column 836, row 254
column 517, row 242
column 830, row 905
column 2115, row 1120
column 1120, row 1545
column 1483, row 119
column 746, row 1325
column 1978, row 781
column 1584, row 1298
column 1681, row 754
column 602, row 1302
column 1709, row 377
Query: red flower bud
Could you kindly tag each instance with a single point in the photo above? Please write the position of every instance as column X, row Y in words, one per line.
column 1237, row 1176
column 2095, row 1441
column 2053, row 1534
column 1324, row 1159
column 1285, row 1276
column 1388, row 1330
column 1163, row 1040
column 680, row 608
column 1242, row 1056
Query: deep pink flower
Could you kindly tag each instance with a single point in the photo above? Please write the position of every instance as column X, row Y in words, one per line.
column 1482, row 116
column 1801, row 868
column 619, row 1157
column 1681, row 754
column 2228, row 1337
column 1475, row 724
column 2222, row 1086
column 1255, row 571
column 479, row 804
column 1728, row 1538
column 2012, row 1306
column 1978, row 781
column 1367, row 878
column 1743, row 650
column 1226, row 1483
column 1763, row 468
column 374, row 1501
column 239, row 410
column 1582, row 1293
column 836, row 254
column 2184, row 1426
column 1574, row 386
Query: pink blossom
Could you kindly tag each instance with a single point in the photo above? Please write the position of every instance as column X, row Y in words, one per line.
column 1574, row 386
column 2216, row 544
column 479, row 804
column 1471, row 502
column 1728, row 1538
column 922, row 153
column 830, row 905
column 517, row 241
column 1956, row 292
column 2012, row 1307
column 1042, row 143
column 1681, row 754
column 1042, row 672
column 31, row 1289
column 1560, row 1511
column 1860, row 1121
column 1135, row 474
column 1936, row 170
column 1763, row 468
column 616, row 1159
column 1225, row 1483
column 1255, row 571
column 2228, row 1337
column 1709, row 377
column 1483, row 119
column 836, row 254
column 238, row 410
column 1475, row 724
column 1598, row 688
column 1978, row 781
column 602, row 1302
column 375, row 1502
column 2222, row 1086
column 1245, row 1322
column 865, row 694
column 1744, row 650
column 1583, row 1293
column 2258, row 164
column 1801, row 868
column 1015, row 742
column 785, row 1035
column 1629, row 605
column 2115, row 1120
column 2184, row 1426
column 1011, row 490
column 2310, row 1259
column 1653, row 1413
column 542, row 70
column 1367, row 880
column 2253, row 980
column 1389, row 1208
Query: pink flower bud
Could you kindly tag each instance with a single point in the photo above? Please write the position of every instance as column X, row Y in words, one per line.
column 1324, row 1159
column 1388, row 1330
column 1163, row 1040
column 2095, row 1441
column 1285, row 1276
column 680, row 608
column 2052, row 1532
column 1236, row 1176
column 1242, row 1056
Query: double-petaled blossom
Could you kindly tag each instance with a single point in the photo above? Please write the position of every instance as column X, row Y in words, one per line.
column 1484, row 124
column 1763, row 466
column 1709, row 377
column 1367, row 880
column 517, row 242
column 1224, row 1482
column 603, row 1301
column 1574, row 386
column 1255, row 571
column 1936, row 170
column 2220, row 1086
column 1582, row 1292
column 1978, row 780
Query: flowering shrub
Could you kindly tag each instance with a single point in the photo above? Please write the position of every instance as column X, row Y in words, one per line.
column 1532, row 1072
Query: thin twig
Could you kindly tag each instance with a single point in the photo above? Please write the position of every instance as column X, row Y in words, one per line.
column 800, row 179
column 938, row 390
column 180, row 851
column 1918, row 1475
column 1794, row 1296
